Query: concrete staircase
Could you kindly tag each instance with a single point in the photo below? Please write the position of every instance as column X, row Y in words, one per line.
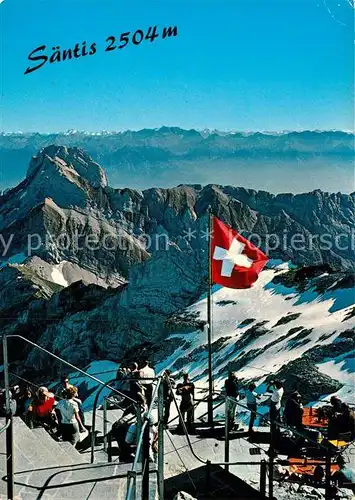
column 46, row 469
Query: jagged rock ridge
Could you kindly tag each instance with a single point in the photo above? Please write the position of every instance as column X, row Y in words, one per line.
column 66, row 193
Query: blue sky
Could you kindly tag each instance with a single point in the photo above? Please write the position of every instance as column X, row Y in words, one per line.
column 235, row 64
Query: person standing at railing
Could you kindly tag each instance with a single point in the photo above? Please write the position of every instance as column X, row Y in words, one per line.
column 293, row 412
column 277, row 392
column 232, row 391
column 146, row 372
column 70, row 421
column 251, row 398
column 168, row 384
column 186, row 390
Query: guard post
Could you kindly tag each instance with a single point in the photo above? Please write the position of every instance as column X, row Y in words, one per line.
column 226, row 434
column 161, row 440
column 9, row 424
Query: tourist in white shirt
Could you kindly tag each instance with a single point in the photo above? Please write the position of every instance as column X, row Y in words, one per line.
column 275, row 405
column 70, row 421
column 132, row 438
column 146, row 372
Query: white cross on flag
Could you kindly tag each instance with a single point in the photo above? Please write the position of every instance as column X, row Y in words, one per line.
column 236, row 263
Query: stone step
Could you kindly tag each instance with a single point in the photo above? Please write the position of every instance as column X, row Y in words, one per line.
column 74, row 453
column 47, row 469
column 93, row 482
column 60, row 452
column 34, row 449
column 28, row 449
column 102, row 458
column 117, row 488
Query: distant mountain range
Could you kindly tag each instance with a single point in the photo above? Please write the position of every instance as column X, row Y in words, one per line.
column 168, row 156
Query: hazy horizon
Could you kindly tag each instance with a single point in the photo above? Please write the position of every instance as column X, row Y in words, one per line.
column 203, row 129
column 271, row 176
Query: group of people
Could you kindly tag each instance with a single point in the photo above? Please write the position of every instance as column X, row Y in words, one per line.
column 133, row 381
column 235, row 393
column 341, row 418
column 137, row 382
column 61, row 415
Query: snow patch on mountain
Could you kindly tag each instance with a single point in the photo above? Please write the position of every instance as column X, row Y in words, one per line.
column 260, row 331
column 341, row 368
column 57, row 274
column 282, row 327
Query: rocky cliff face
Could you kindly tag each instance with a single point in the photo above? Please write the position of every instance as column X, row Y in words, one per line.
column 64, row 224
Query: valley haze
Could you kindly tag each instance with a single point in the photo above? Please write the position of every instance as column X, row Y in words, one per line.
column 168, row 156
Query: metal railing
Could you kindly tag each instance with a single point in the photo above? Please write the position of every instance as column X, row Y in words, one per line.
column 93, row 425
column 143, row 441
column 4, row 427
column 51, row 383
column 132, row 475
column 271, row 451
column 9, row 416
column 137, row 405
column 142, row 432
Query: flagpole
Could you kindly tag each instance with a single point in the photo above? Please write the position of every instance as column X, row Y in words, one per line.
column 209, row 319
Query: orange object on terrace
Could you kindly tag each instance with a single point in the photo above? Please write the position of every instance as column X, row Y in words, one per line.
column 302, row 466
column 311, row 418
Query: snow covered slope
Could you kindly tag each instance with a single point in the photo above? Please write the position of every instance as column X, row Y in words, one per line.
column 266, row 327
column 301, row 333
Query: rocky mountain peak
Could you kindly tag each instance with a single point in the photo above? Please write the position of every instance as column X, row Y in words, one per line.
column 68, row 176
column 73, row 163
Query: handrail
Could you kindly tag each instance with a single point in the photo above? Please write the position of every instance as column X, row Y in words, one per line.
column 98, row 381
column 32, row 383
column 140, row 441
column 6, row 426
column 69, row 364
column 93, row 423
column 198, row 402
column 279, row 424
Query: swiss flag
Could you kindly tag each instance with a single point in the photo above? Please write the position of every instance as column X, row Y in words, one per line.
column 236, row 263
